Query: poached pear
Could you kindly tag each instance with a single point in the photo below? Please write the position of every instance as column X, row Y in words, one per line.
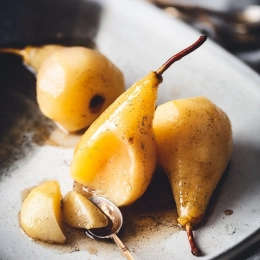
column 74, row 84
column 116, row 157
column 194, row 142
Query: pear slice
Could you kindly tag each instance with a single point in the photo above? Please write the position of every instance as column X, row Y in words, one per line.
column 40, row 216
column 116, row 156
column 80, row 212
column 194, row 141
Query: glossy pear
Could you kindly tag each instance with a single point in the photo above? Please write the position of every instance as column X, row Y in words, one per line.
column 33, row 56
column 116, row 156
column 74, row 84
column 194, row 141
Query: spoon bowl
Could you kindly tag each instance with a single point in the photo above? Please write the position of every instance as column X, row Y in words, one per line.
column 115, row 222
column 114, row 215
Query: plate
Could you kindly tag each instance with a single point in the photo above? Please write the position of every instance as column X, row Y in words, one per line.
column 138, row 38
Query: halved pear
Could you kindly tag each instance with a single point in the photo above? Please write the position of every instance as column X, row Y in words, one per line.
column 41, row 216
column 80, row 212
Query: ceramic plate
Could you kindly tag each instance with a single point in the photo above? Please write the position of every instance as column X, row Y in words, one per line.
column 138, row 38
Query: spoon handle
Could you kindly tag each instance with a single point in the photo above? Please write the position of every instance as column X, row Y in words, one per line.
column 124, row 250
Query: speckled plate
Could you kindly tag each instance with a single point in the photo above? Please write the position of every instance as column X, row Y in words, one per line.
column 138, row 38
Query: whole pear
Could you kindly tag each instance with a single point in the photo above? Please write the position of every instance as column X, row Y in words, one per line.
column 194, row 142
column 74, row 84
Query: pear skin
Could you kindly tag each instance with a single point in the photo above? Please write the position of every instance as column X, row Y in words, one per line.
column 194, row 142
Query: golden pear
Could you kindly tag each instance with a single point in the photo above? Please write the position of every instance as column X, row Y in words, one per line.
column 194, row 142
column 74, row 84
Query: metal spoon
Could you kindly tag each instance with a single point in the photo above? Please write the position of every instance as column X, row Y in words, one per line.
column 115, row 223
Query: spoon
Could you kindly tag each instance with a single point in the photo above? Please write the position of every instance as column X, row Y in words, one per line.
column 115, row 223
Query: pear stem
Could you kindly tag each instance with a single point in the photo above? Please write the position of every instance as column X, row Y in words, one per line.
column 194, row 248
column 181, row 54
column 12, row 50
